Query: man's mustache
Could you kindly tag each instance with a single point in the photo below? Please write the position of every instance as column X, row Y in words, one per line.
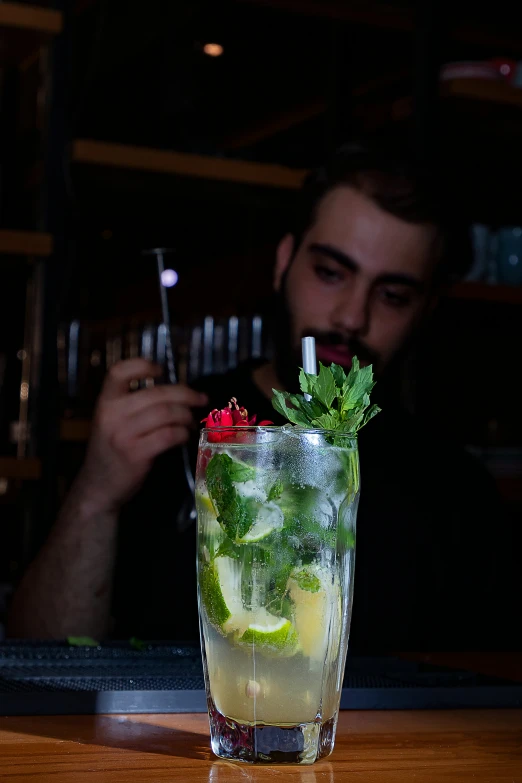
column 355, row 346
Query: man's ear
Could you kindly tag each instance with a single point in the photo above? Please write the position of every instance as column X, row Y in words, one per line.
column 284, row 253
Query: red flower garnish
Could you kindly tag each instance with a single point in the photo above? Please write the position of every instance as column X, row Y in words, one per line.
column 231, row 416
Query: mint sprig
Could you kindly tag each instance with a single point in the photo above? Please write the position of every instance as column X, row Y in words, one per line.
column 338, row 402
column 235, row 513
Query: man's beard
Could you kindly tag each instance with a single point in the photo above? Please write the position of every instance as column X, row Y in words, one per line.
column 288, row 358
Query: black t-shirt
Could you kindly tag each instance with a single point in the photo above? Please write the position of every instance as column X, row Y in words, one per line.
column 433, row 557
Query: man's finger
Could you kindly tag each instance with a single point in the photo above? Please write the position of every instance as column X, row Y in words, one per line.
column 155, row 443
column 121, row 374
column 131, row 404
column 155, row 417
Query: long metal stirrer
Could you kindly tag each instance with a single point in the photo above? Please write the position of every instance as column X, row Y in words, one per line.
column 309, row 359
column 171, row 367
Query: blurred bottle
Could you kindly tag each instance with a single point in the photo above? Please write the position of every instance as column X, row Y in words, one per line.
column 481, row 244
column 509, row 257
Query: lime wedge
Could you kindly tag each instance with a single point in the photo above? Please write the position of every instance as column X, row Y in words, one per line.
column 272, row 637
column 269, row 519
column 220, row 590
column 203, row 500
column 313, row 598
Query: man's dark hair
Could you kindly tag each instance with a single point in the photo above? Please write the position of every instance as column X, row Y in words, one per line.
column 398, row 186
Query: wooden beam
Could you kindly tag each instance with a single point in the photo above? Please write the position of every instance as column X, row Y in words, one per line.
column 482, row 90
column 493, row 94
column 25, row 243
column 30, row 17
column 267, row 127
column 24, row 29
column 25, row 469
column 120, row 156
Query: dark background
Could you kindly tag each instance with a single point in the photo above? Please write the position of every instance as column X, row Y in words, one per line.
column 295, row 79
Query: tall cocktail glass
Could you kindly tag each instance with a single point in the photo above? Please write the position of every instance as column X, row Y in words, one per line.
column 276, row 545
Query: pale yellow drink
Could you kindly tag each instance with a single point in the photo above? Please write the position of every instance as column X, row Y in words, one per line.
column 276, row 534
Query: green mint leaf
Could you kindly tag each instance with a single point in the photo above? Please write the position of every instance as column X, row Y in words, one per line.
column 287, row 608
column 326, row 422
column 82, row 641
column 307, row 382
column 279, row 403
column 235, row 513
column 325, row 388
column 354, row 369
column 338, row 375
column 281, row 573
column 357, row 394
column 280, row 561
column 137, row 644
column 354, row 422
column 292, row 414
column 310, row 408
column 239, row 472
column 297, row 418
column 307, row 581
column 276, row 491
column 305, row 536
column 370, row 413
column 227, row 548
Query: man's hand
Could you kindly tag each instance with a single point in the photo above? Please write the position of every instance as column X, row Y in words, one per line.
column 129, row 431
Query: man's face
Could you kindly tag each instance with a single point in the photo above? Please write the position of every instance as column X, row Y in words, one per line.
column 359, row 282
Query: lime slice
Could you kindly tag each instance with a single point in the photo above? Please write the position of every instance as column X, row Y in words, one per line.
column 203, row 500
column 220, row 589
column 272, row 637
column 207, row 517
column 238, row 622
column 269, row 519
column 314, row 599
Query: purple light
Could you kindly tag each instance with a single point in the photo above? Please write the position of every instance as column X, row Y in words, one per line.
column 169, row 278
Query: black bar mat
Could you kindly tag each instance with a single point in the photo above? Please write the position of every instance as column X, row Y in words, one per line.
column 55, row 678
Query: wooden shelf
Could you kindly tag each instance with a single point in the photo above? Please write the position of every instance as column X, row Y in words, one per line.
column 25, row 243
column 75, row 430
column 461, row 95
column 494, row 92
column 486, row 292
column 145, row 159
column 25, row 469
column 24, row 28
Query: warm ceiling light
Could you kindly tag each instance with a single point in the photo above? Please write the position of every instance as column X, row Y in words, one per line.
column 213, row 49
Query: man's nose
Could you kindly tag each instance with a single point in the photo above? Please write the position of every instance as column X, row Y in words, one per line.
column 351, row 312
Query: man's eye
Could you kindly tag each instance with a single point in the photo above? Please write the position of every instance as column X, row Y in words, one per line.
column 327, row 275
column 395, row 299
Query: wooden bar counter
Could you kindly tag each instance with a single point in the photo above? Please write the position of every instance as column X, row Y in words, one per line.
column 454, row 746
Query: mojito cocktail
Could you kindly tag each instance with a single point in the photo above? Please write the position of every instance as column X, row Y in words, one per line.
column 276, row 545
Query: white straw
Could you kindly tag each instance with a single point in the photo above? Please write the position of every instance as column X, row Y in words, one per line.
column 309, row 358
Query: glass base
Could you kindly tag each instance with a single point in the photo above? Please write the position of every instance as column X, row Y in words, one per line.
column 263, row 743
